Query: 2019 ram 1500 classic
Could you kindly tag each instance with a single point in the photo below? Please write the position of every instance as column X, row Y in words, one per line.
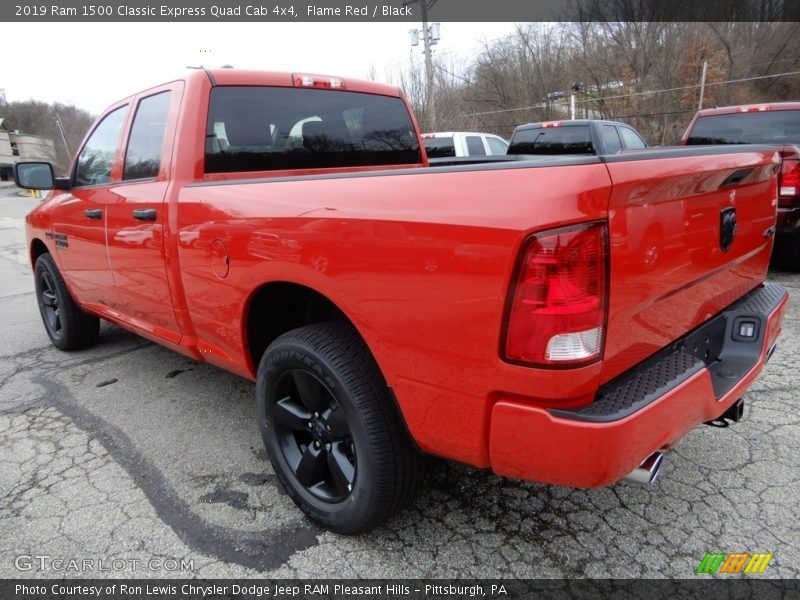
column 776, row 123
column 288, row 228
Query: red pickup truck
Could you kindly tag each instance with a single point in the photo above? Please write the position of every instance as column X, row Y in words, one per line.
column 775, row 123
column 288, row 228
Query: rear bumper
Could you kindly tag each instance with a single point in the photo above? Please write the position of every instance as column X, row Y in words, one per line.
column 647, row 408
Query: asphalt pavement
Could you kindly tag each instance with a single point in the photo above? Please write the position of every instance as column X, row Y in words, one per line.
column 129, row 459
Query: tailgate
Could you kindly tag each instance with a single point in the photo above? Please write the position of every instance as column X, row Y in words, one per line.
column 690, row 232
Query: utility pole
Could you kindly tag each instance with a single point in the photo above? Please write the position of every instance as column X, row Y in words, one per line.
column 63, row 137
column 702, row 85
column 428, row 40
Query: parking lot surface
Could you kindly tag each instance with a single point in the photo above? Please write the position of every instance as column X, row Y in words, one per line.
column 150, row 465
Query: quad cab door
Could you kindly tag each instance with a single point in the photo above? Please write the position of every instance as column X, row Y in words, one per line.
column 136, row 220
column 79, row 214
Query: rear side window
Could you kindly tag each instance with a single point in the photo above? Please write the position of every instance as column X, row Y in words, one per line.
column 475, row 146
column 611, row 139
column 145, row 143
column 440, row 147
column 97, row 155
column 778, row 126
column 496, row 146
column 574, row 139
column 271, row 128
column 630, row 139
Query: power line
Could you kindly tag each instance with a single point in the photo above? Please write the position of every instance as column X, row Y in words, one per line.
column 481, row 45
column 618, row 96
column 612, row 117
column 456, row 75
column 478, row 44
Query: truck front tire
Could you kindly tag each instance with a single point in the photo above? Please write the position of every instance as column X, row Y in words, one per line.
column 66, row 323
column 332, row 432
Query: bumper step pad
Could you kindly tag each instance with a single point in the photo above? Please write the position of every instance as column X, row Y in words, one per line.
column 728, row 345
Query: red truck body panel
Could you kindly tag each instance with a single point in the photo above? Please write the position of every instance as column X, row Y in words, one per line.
column 380, row 263
column 665, row 249
column 420, row 261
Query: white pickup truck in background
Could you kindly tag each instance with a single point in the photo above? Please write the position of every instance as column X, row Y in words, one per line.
column 448, row 144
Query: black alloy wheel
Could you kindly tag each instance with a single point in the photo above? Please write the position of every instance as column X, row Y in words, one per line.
column 49, row 304
column 68, row 326
column 314, row 436
column 335, row 438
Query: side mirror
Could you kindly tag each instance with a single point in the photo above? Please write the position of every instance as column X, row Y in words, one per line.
column 34, row 175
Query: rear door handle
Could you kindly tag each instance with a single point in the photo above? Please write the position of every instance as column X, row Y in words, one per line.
column 93, row 213
column 145, row 214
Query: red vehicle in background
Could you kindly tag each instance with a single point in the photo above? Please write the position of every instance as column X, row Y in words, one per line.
column 772, row 123
column 289, row 228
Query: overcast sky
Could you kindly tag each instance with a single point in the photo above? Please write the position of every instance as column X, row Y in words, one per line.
column 93, row 65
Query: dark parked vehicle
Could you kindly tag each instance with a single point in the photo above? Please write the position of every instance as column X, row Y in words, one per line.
column 583, row 136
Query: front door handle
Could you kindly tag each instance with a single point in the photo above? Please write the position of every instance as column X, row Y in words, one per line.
column 93, row 213
column 145, row 214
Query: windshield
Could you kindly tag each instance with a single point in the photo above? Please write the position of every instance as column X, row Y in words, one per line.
column 769, row 127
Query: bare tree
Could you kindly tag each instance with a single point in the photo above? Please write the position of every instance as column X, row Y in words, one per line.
column 39, row 118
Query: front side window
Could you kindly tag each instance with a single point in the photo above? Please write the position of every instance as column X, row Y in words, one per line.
column 97, row 156
column 630, row 139
column 496, row 146
column 475, row 146
column 611, row 139
column 143, row 157
column 272, row 128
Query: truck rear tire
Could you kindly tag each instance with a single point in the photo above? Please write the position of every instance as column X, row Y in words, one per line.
column 332, row 431
column 67, row 324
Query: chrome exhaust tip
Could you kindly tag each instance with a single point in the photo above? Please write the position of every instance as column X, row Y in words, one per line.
column 771, row 350
column 647, row 472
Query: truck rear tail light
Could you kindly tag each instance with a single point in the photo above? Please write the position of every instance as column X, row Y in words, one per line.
column 789, row 180
column 318, row 81
column 757, row 108
column 551, row 124
column 557, row 307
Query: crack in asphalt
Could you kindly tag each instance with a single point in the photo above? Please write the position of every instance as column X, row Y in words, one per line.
column 260, row 550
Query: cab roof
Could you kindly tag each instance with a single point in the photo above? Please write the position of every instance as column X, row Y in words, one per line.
column 229, row 76
column 244, row 77
column 569, row 123
column 742, row 108
column 438, row 134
